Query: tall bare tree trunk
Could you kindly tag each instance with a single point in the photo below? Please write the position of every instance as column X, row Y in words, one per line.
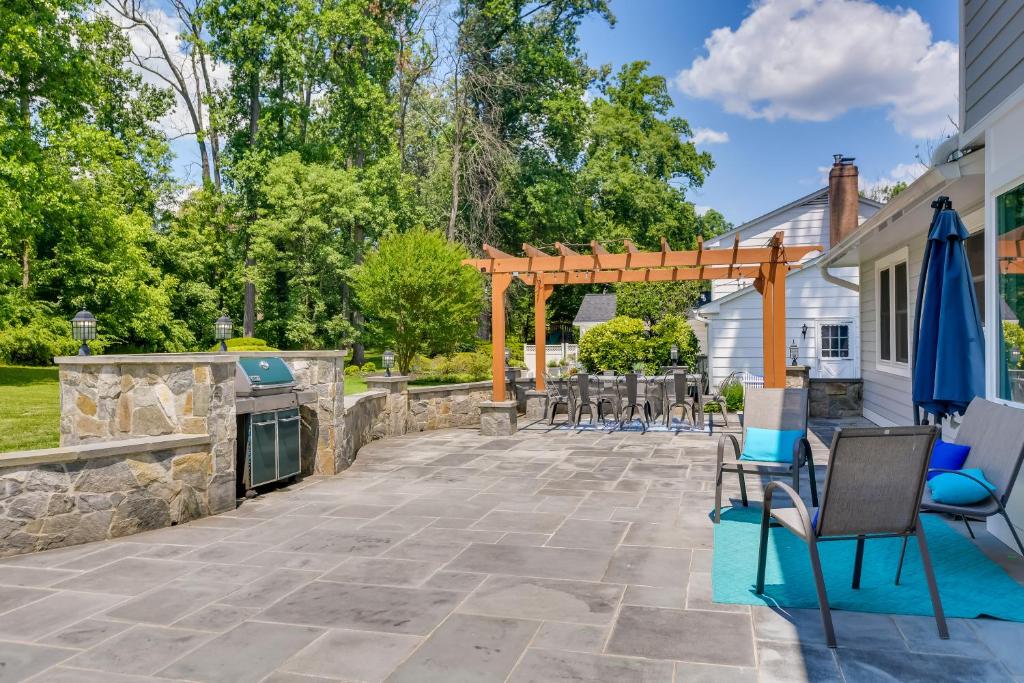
column 249, row 318
column 26, row 246
column 456, row 161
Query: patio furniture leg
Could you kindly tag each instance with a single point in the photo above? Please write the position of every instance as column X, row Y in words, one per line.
column 1013, row 531
column 858, row 562
column 819, row 585
column 968, row 525
column 743, row 485
column 903, row 554
column 933, row 588
column 762, row 549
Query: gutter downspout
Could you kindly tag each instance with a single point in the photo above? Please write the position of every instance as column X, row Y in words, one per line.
column 835, row 280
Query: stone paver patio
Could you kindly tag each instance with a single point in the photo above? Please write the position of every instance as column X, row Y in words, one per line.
column 449, row 557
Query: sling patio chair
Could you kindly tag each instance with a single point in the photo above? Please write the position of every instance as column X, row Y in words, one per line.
column 558, row 394
column 995, row 434
column 632, row 402
column 585, row 399
column 873, row 490
column 774, row 442
column 677, row 391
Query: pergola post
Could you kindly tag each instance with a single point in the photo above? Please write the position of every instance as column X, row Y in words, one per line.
column 499, row 283
column 541, row 293
column 773, row 296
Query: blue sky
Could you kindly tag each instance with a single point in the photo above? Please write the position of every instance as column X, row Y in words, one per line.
column 767, row 163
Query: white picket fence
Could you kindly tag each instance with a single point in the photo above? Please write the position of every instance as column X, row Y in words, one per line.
column 552, row 352
column 751, row 381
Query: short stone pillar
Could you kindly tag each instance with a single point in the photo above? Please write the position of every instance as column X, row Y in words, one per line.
column 535, row 403
column 498, row 418
column 396, row 405
column 798, row 377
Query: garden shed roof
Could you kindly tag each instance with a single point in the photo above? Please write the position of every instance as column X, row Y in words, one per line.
column 595, row 308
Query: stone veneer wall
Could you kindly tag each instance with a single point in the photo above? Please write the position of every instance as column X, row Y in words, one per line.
column 837, row 397
column 64, row 496
column 454, row 405
column 366, row 420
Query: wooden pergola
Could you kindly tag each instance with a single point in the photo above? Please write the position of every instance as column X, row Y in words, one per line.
column 766, row 265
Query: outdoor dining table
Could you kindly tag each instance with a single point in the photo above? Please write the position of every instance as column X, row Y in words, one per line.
column 693, row 380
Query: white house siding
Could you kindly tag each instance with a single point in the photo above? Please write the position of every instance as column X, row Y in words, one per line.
column 803, row 225
column 735, row 333
column 887, row 398
column 992, row 54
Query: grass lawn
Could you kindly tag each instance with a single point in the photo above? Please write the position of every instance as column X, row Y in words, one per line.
column 29, row 408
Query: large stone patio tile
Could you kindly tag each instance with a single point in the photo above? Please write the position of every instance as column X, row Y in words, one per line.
column 555, row 563
column 52, row 613
column 854, row 629
column 169, row 603
column 673, row 597
column 264, row 591
column 463, row 582
column 873, row 666
column 353, row 655
column 105, row 554
column 922, row 635
column 433, row 507
column 692, row 636
column 426, row 550
column 699, row 595
column 582, row 533
column 412, row 611
column 85, row 633
column 141, row 650
column 128, row 576
column 382, row 571
column 797, row 663
column 37, row 577
column 549, row 666
column 535, row 522
column 468, row 649
column 1005, row 639
column 64, row 674
column 280, row 559
column 12, row 597
column 547, row 599
column 244, row 654
column 642, row 566
column 224, row 552
column 670, row 535
column 556, row 635
column 645, row 470
column 360, row 511
column 334, row 542
column 216, row 618
column 689, row 672
column 18, row 661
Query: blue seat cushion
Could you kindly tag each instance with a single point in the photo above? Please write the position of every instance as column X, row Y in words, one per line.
column 955, row 489
column 770, row 445
column 947, row 456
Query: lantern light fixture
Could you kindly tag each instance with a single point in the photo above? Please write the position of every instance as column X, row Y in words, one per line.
column 387, row 359
column 83, row 329
column 222, row 331
column 803, row 331
column 674, row 354
column 508, row 356
column 794, row 351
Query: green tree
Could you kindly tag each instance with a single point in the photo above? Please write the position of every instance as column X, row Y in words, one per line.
column 885, row 192
column 653, row 301
column 417, row 295
column 623, row 343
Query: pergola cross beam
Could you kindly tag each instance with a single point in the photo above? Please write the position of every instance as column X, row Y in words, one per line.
column 767, row 265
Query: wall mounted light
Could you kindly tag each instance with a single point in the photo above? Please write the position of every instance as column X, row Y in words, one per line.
column 803, row 331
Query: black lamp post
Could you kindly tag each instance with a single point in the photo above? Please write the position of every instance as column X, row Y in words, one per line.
column 508, row 356
column 794, row 350
column 387, row 359
column 674, row 354
column 83, row 329
column 222, row 330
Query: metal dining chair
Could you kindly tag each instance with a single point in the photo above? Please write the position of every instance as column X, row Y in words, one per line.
column 608, row 397
column 677, row 381
column 557, row 395
column 631, row 403
column 585, row 400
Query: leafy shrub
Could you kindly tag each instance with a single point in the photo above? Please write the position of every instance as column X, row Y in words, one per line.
column 466, row 364
column 237, row 344
column 1013, row 333
column 368, row 367
column 38, row 341
column 616, row 345
column 622, row 345
column 733, row 393
column 351, row 370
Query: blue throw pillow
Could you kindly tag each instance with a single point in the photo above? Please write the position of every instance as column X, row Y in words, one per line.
column 771, row 445
column 947, row 456
column 954, row 489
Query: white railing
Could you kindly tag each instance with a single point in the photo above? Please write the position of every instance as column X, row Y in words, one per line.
column 552, row 352
column 751, row 381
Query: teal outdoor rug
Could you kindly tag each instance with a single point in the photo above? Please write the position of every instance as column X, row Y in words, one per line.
column 970, row 584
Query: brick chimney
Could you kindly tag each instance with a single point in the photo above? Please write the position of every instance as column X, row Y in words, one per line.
column 843, row 200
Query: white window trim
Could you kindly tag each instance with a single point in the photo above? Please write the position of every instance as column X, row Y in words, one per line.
column 893, row 367
column 994, row 340
column 849, row 323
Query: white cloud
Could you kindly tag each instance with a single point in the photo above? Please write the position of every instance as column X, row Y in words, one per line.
column 814, row 60
column 708, row 136
column 701, row 210
column 900, row 173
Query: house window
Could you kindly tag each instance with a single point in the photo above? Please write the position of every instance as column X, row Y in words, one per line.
column 892, row 301
column 835, row 341
column 1010, row 304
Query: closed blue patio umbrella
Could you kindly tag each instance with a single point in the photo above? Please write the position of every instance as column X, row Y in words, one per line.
column 949, row 346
